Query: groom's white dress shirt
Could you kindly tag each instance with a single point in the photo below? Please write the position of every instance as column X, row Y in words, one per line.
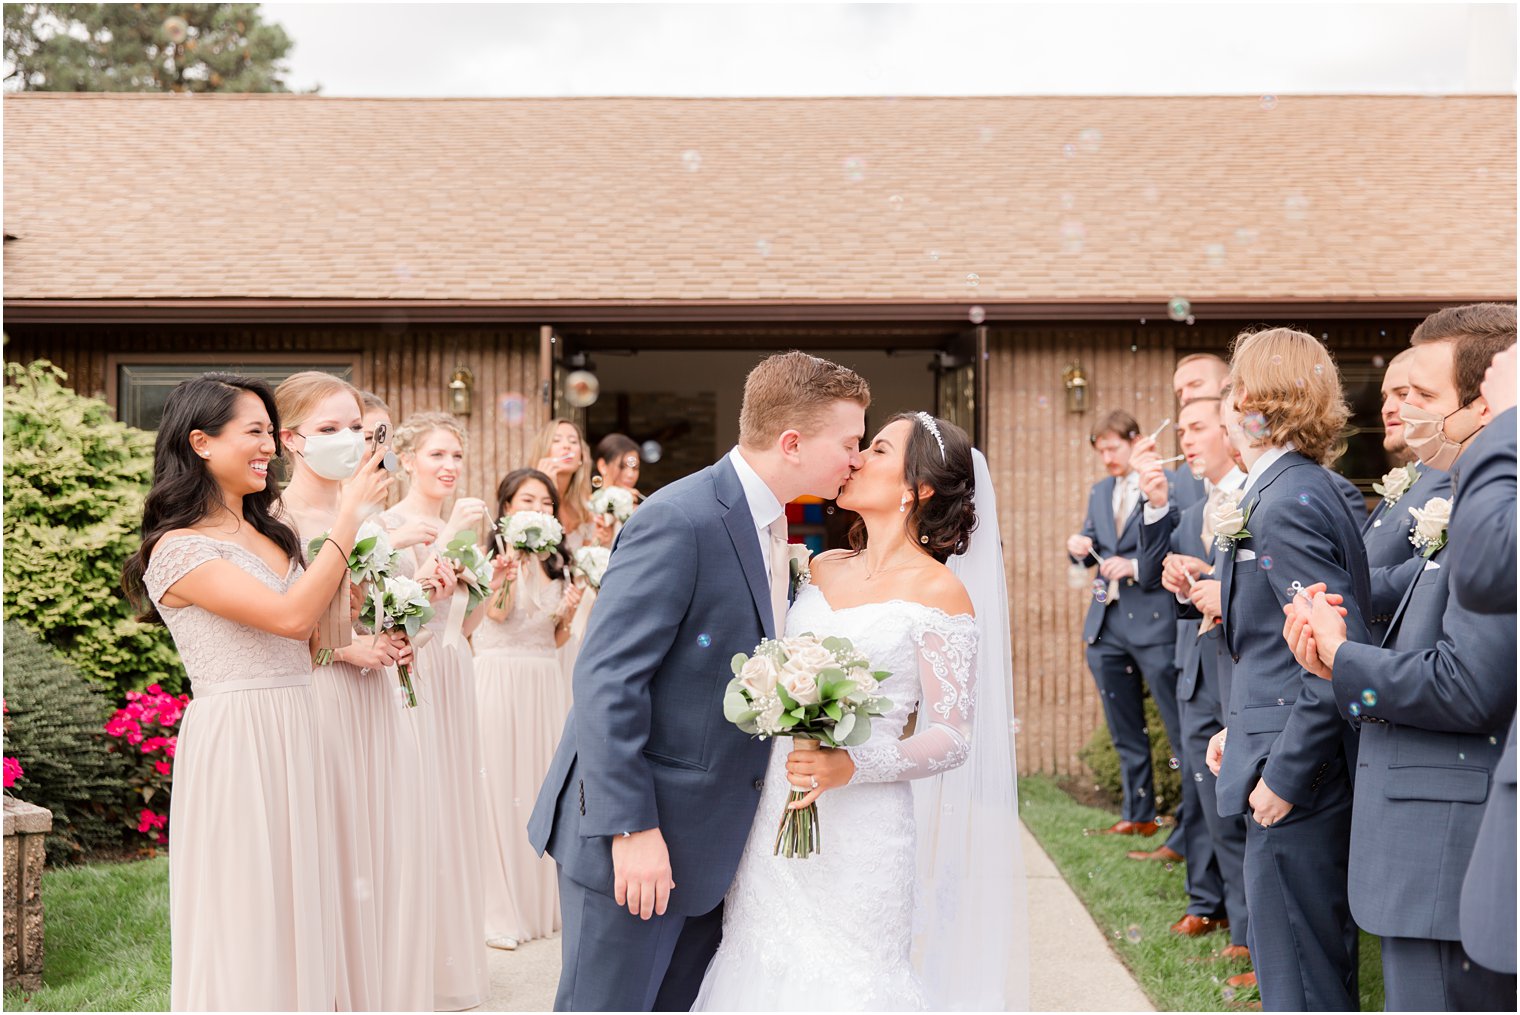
column 764, row 508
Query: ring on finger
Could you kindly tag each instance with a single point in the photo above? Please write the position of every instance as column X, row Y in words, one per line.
column 815, row 782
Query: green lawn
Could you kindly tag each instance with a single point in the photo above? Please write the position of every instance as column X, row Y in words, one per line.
column 1134, row 903
column 107, row 939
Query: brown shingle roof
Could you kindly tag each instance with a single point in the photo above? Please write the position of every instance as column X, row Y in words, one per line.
column 853, row 199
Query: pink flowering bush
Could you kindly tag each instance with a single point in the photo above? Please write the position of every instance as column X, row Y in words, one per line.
column 145, row 733
column 12, row 765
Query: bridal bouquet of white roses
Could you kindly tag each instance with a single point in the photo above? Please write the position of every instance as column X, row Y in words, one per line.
column 616, row 502
column 531, row 532
column 819, row 691
column 591, row 564
column 368, row 563
column 472, row 566
column 400, row 602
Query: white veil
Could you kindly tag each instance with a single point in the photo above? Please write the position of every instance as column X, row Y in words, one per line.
column 970, row 921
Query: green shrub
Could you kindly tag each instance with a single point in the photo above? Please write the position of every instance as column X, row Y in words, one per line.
column 56, row 730
column 75, row 480
column 1100, row 756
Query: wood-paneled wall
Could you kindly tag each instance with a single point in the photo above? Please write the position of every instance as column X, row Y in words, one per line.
column 409, row 370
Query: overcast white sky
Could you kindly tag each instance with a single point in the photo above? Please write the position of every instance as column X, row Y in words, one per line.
column 375, row 49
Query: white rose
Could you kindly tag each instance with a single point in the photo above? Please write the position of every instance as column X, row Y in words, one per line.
column 1431, row 520
column 759, row 677
column 807, row 655
column 1228, row 519
column 1395, row 483
column 801, row 683
column 404, row 591
column 865, row 685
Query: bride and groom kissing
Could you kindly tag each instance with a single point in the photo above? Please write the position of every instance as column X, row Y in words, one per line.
column 661, row 814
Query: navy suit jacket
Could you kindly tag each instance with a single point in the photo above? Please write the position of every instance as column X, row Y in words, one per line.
column 1284, row 726
column 1484, row 517
column 646, row 744
column 1488, row 893
column 1389, row 551
column 1433, row 700
column 1143, row 614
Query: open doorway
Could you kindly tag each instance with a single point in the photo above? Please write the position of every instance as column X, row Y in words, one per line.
column 682, row 407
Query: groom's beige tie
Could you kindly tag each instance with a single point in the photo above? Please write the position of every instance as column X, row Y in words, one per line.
column 780, row 573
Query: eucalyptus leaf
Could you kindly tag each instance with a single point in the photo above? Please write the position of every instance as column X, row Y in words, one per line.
column 737, row 662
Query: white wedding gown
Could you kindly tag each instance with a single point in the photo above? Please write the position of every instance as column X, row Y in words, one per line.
column 835, row 931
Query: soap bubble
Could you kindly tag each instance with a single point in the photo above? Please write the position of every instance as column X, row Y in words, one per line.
column 582, row 388
column 976, row 315
column 1255, row 425
column 1173, row 764
column 691, row 159
column 704, row 640
column 514, row 408
column 651, row 451
column 1303, row 497
column 1091, row 139
column 1296, row 207
column 895, row 202
column 1369, row 697
column 973, row 280
column 1073, row 237
column 1379, row 362
column 176, row 29
column 1269, row 102
column 1133, row 933
column 1197, row 776
column 854, row 169
column 1266, row 563
column 763, row 247
column 1354, row 709
column 1178, row 308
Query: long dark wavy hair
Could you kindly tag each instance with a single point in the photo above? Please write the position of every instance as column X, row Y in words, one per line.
column 554, row 565
column 947, row 518
column 184, row 492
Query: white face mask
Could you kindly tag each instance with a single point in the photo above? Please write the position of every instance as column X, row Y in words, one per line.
column 1425, row 433
column 334, row 455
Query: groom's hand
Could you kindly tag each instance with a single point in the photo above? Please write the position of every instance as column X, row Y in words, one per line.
column 641, row 878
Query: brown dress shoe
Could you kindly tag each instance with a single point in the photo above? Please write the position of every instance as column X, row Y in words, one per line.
column 1165, row 853
column 1243, row 980
column 1197, row 926
column 1235, row 952
column 1130, row 828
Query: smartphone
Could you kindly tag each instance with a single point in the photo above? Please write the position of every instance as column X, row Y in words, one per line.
column 388, row 463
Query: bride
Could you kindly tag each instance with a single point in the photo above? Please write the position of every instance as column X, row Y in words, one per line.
column 916, row 901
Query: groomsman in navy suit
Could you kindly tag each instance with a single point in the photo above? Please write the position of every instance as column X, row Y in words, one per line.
column 1410, row 484
column 1482, row 579
column 1178, row 545
column 1129, row 628
column 1284, row 759
column 1431, row 702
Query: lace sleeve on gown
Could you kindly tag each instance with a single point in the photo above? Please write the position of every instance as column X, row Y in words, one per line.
column 173, row 558
column 946, row 669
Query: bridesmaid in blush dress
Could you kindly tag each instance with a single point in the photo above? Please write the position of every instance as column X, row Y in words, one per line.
column 430, row 447
column 524, row 698
column 374, row 756
column 252, row 896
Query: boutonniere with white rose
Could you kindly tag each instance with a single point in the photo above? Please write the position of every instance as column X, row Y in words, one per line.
column 1395, row 484
column 1429, row 532
column 1229, row 521
column 798, row 556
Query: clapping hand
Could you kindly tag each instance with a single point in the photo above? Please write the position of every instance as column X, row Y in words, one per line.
column 1315, row 628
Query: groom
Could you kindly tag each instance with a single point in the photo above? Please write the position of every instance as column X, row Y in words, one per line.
column 650, row 797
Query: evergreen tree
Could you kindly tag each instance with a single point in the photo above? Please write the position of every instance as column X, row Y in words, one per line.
column 143, row 48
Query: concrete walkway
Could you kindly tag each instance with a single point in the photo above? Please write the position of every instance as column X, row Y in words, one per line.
column 1071, row 966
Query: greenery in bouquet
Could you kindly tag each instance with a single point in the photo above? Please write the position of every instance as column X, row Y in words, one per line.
column 473, row 566
column 531, row 532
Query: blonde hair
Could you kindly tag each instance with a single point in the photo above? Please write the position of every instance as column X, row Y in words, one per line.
column 298, row 395
column 792, row 391
column 575, row 505
column 372, row 402
column 1289, row 379
column 408, row 436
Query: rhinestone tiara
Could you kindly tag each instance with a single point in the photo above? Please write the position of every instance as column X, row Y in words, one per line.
column 932, row 425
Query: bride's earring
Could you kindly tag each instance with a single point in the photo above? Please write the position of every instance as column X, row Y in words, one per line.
column 903, row 507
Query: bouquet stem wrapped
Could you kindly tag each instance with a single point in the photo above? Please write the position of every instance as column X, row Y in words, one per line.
column 798, row 836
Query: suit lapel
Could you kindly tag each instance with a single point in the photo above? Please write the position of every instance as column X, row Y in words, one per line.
column 741, row 531
column 1398, row 614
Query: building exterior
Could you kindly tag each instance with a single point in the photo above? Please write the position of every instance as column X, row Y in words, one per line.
column 963, row 254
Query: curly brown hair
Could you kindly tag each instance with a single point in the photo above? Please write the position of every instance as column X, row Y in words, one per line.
column 1289, row 378
column 941, row 524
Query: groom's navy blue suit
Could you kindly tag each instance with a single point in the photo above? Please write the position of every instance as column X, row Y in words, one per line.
column 646, row 745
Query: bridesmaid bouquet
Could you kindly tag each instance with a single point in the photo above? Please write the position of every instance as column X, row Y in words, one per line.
column 368, row 564
column 820, row 692
column 531, row 532
column 400, row 602
column 616, row 502
column 472, row 566
column 591, row 564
